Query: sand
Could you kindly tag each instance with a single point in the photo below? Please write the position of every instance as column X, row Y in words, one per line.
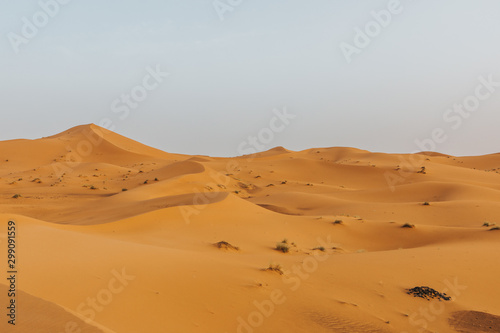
column 115, row 236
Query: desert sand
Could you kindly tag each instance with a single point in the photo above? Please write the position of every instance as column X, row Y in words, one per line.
column 115, row 236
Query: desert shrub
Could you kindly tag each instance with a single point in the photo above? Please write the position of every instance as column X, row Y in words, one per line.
column 226, row 246
column 275, row 268
column 283, row 247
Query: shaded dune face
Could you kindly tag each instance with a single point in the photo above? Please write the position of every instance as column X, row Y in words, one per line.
column 45, row 317
column 321, row 240
column 475, row 321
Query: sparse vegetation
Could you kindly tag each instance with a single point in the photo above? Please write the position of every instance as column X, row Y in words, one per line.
column 408, row 225
column 156, row 180
column 246, row 186
column 426, row 203
column 338, row 222
column 320, row 248
column 488, row 224
column 276, row 268
column 495, row 228
column 124, row 190
column 422, row 170
column 92, row 187
column 16, row 196
column 283, row 246
column 226, row 246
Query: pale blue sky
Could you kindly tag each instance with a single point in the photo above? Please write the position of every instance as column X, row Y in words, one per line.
column 227, row 77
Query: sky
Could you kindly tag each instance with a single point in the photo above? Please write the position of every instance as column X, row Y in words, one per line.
column 228, row 77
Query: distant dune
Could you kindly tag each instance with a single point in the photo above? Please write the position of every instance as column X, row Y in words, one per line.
column 116, row 236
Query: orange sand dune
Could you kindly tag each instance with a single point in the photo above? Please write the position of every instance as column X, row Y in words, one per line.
column 115, row 236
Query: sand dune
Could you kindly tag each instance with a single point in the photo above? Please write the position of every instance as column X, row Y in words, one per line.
column 115, row 236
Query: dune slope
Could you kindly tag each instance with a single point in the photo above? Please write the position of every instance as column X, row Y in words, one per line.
column 116, row 236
